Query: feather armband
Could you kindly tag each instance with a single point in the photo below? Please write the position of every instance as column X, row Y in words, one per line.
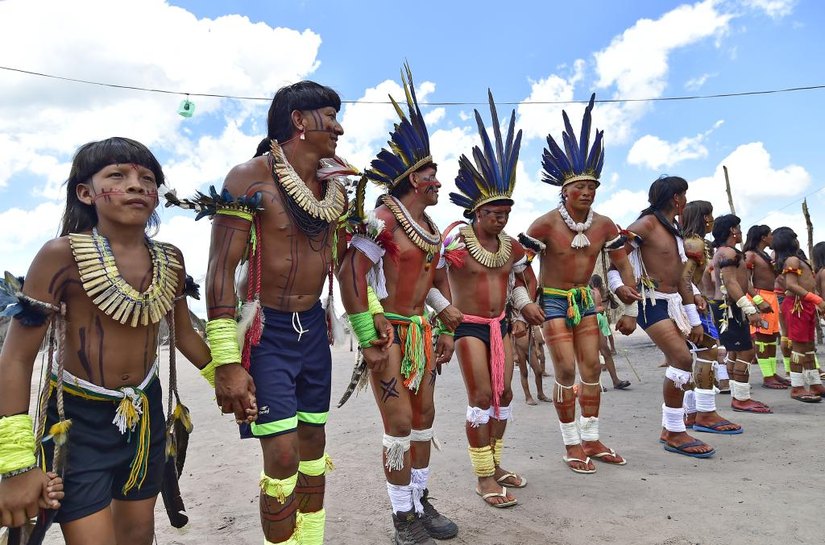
column 15, row 304
column 243, row 206
column 616, row 243
column 531, row 243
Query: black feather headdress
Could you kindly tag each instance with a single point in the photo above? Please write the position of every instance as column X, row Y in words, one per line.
column 577, row 161
column 409, row 142
column 493, row 177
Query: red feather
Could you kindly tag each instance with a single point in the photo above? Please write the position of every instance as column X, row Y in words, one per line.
column 455, row 258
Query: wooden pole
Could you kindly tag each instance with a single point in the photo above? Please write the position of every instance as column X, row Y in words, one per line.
column 727, row 188
column 810, row 227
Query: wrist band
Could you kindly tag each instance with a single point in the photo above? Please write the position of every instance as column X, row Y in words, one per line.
column 631, row 310
column 222, row 335
column 436, row 300
column 373, row 303
column 747, row 307
column 692, row 315
column 614, row 280
column 695, row 290
column 758, row 299
column 520, row 298
column 208, row 372
column 442, row 329
column 811, row 297
column 363, row 328
column 16, row 445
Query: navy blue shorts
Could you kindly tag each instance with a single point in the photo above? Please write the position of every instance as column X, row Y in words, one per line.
column 99, row 456
column 479, row 331
column 556, row 307
column 708, row 324
column 652, row 314
column 737, row 336
column 292, row 377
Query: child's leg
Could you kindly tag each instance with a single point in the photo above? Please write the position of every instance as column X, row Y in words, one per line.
column 134, row 521
column 94, row 529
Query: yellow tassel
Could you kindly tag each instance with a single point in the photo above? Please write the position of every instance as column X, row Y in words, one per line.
column 60, row 432
column 182, row 413
column 328, row 461
column 171, row 448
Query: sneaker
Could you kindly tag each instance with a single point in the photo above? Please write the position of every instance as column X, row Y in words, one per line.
column 409, row 530
column 436, row 524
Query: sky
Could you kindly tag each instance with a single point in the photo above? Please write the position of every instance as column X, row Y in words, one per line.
column 532, row 55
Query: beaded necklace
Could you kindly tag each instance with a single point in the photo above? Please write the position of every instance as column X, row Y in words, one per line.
column 110, row 292
column 491, row 260
column 427, row 242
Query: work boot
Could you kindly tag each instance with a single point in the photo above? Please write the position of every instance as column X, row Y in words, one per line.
column 436, row 524
column 409, row 530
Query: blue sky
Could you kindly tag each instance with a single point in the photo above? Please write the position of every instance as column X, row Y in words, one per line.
column 523, row 51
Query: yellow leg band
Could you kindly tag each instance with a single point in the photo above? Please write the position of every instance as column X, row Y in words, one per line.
column 312, row 529
column 482, row 460
column 316, row 468
column 498, row 447
column 278, row 488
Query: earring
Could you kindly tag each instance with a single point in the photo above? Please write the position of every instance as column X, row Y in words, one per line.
column 302, row 136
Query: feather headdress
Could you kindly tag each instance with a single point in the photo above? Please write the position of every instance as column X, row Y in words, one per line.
column 576, row 162
column 493, row 177
column 409, row 142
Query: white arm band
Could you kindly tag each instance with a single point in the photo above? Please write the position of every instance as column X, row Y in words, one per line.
column 692, row 315
column 520, row 298
column 747, row 307
column 614, row 280
column 695, row 289
column 436, row 300
column 520, row 265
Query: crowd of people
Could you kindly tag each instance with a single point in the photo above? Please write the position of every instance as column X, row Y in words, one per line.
column 101, row 447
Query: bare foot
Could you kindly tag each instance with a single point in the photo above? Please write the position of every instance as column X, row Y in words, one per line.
column 817, row 389
column 799, row 393
column 530, row 401
column 749, row 406
column 543, row 397
column 773, row 383
column 714, row 421
column 577, row 460
column 690, row 420
column 488, row 485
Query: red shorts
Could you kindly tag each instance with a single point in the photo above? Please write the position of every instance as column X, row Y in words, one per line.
column 800, row 317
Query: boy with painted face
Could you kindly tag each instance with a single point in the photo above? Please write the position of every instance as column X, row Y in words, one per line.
column 570, row 239
column 481, row 259
column 105, row 285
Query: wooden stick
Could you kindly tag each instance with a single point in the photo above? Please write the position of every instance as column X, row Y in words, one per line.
column 810, row 227
column 727, row 188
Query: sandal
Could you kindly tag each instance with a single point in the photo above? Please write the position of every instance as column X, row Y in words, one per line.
column 610, row 452
column 502, row 494
column 522, row 480
column 586, row 461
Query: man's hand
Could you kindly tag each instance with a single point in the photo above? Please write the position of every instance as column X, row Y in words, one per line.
column 754, row 318
column 444, row 348
column 764, row 307
column 626, row 325
column 386, row 333
column 20, row 497
column 696, row 334
column 376, row 357
column 235, row 392
column 628, row 294
column 519, row 329
column 53, row 492
column 700, row 302
column 533, row 314
column 451, row 317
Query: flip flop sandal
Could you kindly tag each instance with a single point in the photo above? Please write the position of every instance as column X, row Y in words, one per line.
column 502, row 494
column 586, row 461
column 808, row 398
column 622, row 385
column 600, row 455
column 523, row 480
column 681, row 450
column 715, row 428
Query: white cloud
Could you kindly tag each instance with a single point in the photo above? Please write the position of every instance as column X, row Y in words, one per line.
column 192, row 238
column 695, row 83
column 432, row 117
column 755, row 182
column 654, row 153
column 623, row 206
column 23, row 232
column 773, row 8
column 537, row 120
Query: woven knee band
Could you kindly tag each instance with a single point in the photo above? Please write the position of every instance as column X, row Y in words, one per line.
column 278, row 488
column 504, row 413
column 312, row 528
column 477, row 416
column 482, row 460
column 589, row 426
column 679, row 377
column 395, row 449
column 421, row 435
column 498, row 449
column 316, row 468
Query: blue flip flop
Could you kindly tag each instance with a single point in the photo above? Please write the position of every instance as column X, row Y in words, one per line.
column 681, row 450
column 715, row 428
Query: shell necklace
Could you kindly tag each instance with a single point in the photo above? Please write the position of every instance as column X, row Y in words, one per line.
column 491, row 260
column 427, row 242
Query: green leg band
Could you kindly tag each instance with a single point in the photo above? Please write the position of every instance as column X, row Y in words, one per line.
column 768, row 366
column 312, row 527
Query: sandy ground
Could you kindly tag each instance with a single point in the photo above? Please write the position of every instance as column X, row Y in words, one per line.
column 764, row 486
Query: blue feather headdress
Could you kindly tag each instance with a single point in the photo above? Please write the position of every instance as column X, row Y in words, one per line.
column 575, row 162
column 409, row 142
column 493, row 177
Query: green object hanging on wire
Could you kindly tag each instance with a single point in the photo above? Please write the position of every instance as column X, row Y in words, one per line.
column 186, row 108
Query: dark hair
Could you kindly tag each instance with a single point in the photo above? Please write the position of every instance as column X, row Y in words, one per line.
column 89, row 160
column 304, row 95
column 785, row 244
column 755, row 234
column 721, row 228
column 405, row 185
column 596, row 282
column 662, row 192
column 693, row 218
column 819, row 256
